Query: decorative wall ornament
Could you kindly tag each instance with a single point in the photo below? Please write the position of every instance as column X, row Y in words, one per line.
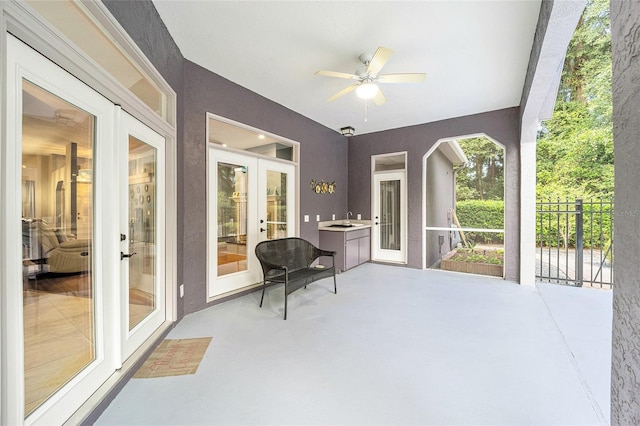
column 322, row 187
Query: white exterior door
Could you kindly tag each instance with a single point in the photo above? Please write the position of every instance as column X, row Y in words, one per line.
column 142, row 222
column 59, row 248
column 250, row 200
column 389, row 235
column 75, row 303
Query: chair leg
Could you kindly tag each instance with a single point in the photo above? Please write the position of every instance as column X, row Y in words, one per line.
column 286, row 285
column 335, row 287
column 264, row 286
column 285, row 305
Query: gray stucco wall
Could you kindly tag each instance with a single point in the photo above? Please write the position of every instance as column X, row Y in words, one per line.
column 323, row 156
column 440, row 198
column 625, row 373
column 323, row 152
column 502, row 125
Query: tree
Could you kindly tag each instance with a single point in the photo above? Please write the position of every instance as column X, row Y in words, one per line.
column 482, row 177
column 575, row 147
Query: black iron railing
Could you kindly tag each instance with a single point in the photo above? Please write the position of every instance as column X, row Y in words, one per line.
column 575, row 242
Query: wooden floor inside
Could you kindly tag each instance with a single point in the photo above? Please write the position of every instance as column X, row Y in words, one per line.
column 59, row 331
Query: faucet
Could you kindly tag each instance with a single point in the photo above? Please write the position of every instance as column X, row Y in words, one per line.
column 349, row 214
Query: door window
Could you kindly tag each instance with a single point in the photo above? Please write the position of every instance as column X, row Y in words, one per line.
column 57, row 230
column 142, row 230
column 390, row 215
column 232, row 226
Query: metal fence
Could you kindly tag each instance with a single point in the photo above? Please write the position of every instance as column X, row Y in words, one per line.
column 575, row 242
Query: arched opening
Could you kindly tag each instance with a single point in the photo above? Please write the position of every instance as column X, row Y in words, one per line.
column 463, row 205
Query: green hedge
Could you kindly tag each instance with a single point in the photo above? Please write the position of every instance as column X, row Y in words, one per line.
column 482, row 214
column 597, row 225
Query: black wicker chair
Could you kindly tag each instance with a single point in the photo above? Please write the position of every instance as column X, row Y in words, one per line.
column 288, row 260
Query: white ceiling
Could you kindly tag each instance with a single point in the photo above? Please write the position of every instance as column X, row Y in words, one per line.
column 475, row 53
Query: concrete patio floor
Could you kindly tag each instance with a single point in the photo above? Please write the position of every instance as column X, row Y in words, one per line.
column 394, row 346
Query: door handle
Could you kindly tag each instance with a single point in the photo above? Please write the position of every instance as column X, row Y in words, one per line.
column 262, row 229
column 126, row 255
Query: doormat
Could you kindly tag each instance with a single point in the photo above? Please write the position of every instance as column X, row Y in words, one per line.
column 174, row 357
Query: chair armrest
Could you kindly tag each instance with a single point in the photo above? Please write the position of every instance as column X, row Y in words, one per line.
column 325, row 253
column 75, row 245
column 319, row 253
column 268, row 267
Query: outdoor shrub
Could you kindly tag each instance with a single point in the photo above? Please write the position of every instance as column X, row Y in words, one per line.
column 559, row 229
column 482, row 214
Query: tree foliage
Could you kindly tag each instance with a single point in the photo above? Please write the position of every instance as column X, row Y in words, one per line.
column 575, row 147
column 482, row 178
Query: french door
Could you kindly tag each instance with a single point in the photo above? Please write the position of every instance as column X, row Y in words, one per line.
column 250, row 200
column 389, row 218
column 74, row 306
column 142, row 189
column 61, row 328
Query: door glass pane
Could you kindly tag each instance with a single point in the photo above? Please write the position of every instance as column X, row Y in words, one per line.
column 142, row 230
column 57, row 230
column 276, row 205
column 390, row 215
column 233, row 184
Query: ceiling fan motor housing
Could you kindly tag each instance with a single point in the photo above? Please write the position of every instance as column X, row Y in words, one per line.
column 366, row 58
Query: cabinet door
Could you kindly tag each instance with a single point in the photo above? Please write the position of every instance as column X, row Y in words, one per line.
column 351, row 256
column 364, row 249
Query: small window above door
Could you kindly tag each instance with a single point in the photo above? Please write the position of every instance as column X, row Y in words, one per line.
column 389, row 162
column 225, row 133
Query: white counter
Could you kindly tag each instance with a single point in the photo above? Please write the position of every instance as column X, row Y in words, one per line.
column 357, row 224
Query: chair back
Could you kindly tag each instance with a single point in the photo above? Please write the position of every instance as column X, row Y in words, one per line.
column 295, row 253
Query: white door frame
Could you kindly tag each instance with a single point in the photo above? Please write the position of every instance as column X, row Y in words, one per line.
column 378, row 254
column 133, row 339
column 252, row 276
column 24, row 62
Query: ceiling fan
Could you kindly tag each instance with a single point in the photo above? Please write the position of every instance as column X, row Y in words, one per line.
column 367, row 77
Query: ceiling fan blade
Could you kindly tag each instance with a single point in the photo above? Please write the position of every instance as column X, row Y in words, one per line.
column 379, row 98
column 342, row 92
column 402, row 78
column 338, row 74
column 380, row 58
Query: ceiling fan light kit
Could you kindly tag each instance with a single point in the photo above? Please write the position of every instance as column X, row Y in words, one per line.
column 367, row 86
column 367, row 90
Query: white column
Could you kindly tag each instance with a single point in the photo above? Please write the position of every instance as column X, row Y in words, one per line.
column 528, row 201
